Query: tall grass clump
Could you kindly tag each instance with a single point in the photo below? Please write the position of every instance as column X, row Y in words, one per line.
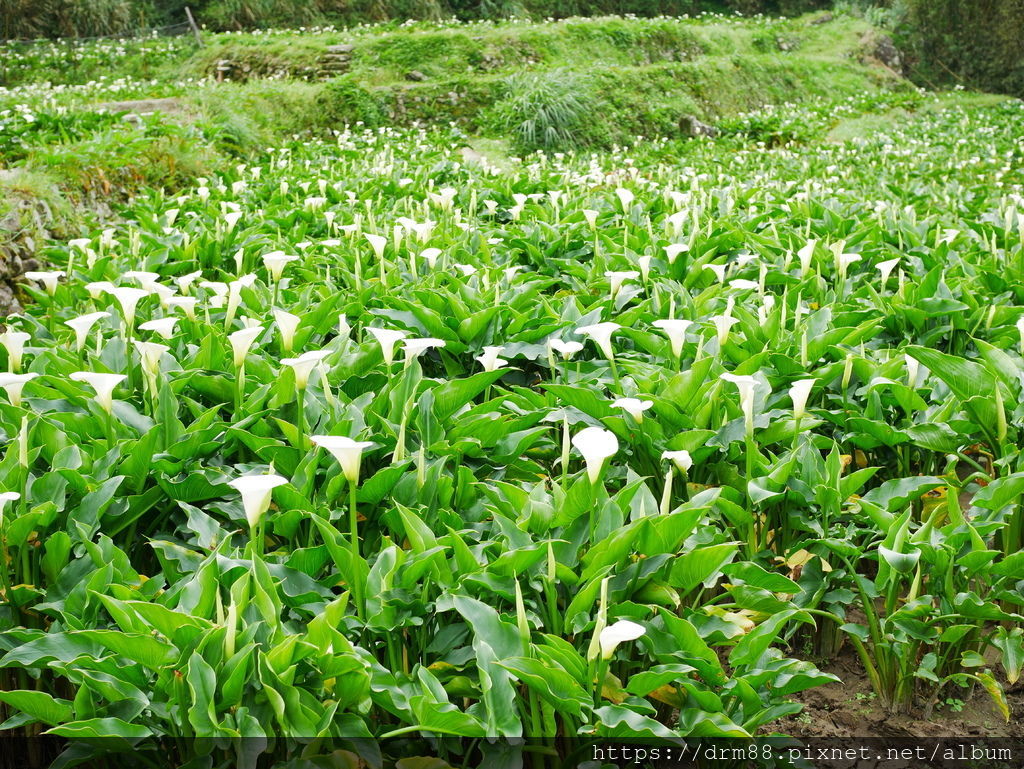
column 546, row 110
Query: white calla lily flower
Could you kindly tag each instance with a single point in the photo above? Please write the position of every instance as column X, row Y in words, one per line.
column 48, row 279
column 675, row 329
column 14, row 342
column 673, row 250
column 287, row 324
column 633, row 406
column 347, row 451
column 565, row 349
column 681, row 459
column 387, row 339
column 617, row 633
column 256, row 491
column 617, row 277
column 13, row 384
column 491, row 359
column 102, row 384
column 303, row 366
column 151, row 353
column 798, row 393
column 275, row 262
column 596, row 445
column 601, row 334
column 241, row 341
column 746, row 385
column 414, row 347
column 885, row 270
column 162, row 327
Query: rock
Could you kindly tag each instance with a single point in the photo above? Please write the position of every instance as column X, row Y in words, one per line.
column 825, row 18
column 887, row 53
column 341, row 48
column 416, row 76
column 691, row 126
column 8, row 301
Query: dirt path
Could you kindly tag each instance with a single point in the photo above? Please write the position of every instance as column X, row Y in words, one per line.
column 850, row 709
column 171, row 104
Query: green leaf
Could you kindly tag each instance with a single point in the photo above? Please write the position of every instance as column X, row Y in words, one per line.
column 40, row 705
column 104, row 730
column 554, row 685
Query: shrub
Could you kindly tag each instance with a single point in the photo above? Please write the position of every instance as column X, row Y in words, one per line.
column 545, row 110
column 977, row 44
column 344, row 100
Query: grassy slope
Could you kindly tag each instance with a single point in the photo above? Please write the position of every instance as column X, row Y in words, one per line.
column 642, row 73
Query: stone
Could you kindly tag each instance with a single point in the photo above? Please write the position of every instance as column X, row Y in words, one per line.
column 691, row 126
column 886, row 52
column 416, row 76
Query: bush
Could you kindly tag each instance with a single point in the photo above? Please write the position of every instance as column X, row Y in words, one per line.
column 545, row 110
column 344, row 100
column 977, row 44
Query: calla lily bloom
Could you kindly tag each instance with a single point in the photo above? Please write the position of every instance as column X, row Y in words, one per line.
column 626, row 197
column 103, row 384
column 601, row 334
column 163, row 327
column 128, row 298
column 912, row 368
column 146, row 280
column 806, row 254
column 48, row 279
column 387, row 339
column 590, row 216
column 799, row 393
column 565, row 349
column 675, row 329
column 303, row 366
column 633, row 406
column 186, row 303
column 596, row 445
column 885, row 270
column 275, row 262
column 746, row 386
column 377, row 243
column 681, row 459
column 418, row 345
column 98, row 288
column 13, row 384
column 256, row 493
column 719, row 270
column 673, row 250
column 617, row 278
column 347, row 451
column 185, row 281
column 617, row 633
column 287, row 324
column 241, row 341
column 151, row 353
column 5, row 497
column 723, row 323
column 14, row 342
column 491, row 360
column 644, row 263
column 431, row 255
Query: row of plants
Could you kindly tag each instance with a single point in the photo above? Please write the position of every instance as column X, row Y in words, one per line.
column 359, row 441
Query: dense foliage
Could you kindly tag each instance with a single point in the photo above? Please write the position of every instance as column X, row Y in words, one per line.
column 359, row 439
column 27, row 19
column 979, row 44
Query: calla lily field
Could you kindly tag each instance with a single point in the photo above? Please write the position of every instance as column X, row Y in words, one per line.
column 361, row 441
